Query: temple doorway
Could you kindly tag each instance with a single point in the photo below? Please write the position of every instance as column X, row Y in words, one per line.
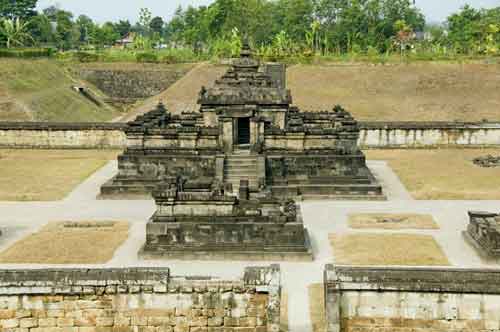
column 243, row 131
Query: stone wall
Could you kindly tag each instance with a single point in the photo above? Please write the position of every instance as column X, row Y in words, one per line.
column 39, row 135
column 373, row 135
column 133, row 83
column 428, row 134
column 411, row 299
column 131, row 300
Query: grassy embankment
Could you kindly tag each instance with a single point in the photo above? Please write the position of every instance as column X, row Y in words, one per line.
column 40, row 90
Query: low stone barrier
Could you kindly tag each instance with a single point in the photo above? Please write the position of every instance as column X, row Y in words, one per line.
column 40, row 135
column 428, row 134
column 376, row 135
column 146, row 299
column 411, row 299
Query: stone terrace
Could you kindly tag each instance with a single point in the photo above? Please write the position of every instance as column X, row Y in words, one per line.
column 321, row 218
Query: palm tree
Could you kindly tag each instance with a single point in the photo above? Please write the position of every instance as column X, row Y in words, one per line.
column 15, row 32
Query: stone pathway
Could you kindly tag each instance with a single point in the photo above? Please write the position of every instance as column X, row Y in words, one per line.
column 321, row 219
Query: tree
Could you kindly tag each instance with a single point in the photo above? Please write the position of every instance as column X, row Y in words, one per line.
column 156, row 25
column 86, row 27
column 464, row 29
column 66, row 33
column 145, row 20
column 13, row 9
column 15, row 32
column 41, row 29
column 106, row 34
column 123, row 28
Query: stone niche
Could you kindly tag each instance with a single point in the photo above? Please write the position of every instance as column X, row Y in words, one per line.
column 196, row 220
column 483, row 233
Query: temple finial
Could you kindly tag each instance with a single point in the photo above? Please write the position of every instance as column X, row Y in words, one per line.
column 246, row 50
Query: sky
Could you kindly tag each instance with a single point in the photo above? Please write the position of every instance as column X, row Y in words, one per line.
column 113, row 10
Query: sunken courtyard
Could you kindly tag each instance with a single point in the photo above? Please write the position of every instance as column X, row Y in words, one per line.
column 249, row 214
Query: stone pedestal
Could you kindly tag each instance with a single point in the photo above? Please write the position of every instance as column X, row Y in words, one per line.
column 198, row 221
column 483, row 233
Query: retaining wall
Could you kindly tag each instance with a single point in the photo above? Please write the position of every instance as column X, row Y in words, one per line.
column 138, row 83
column 407, row 300
column 130, row 300
column 373, row 135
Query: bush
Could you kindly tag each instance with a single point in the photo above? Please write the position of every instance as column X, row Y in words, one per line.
column 86, row 57
column 27, row 53
column 146, row 57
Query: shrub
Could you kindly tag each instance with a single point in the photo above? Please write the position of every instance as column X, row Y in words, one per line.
column 86, row 57
column 27, row 53
column 146, row 57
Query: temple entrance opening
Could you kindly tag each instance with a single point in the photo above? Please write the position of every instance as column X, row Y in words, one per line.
column 243, row 132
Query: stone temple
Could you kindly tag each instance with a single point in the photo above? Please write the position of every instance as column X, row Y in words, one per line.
column 246, row 129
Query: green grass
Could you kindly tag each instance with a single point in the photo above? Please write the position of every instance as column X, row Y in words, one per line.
column 40, row 90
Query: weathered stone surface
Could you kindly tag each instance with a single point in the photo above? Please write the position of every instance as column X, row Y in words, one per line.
column 145, row 310
column 201, row 219
column 247, row 130
column 483, row 233
column 411, row 299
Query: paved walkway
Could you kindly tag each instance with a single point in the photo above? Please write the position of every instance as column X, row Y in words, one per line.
column 321, row 218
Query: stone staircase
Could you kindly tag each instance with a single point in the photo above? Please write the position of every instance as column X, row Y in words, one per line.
column 241, row 166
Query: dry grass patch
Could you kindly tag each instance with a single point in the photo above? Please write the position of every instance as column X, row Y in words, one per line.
column 284, row 312
column 69, row 243
column 46, row 175
column 426, row 91
column 387, row 249
column 392, row 221
column 317, row 307
column 443, row 174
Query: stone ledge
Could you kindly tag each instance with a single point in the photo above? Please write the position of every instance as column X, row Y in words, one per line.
column 364, row 125
column 403, row 279
column 63, row 126
column 404, row 125
column 84, row 277
column 132, row 280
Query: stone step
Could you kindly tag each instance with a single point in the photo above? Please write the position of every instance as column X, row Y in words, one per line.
column 242, row 162
column 240, row 168
column 233, row 157
column 238, row 178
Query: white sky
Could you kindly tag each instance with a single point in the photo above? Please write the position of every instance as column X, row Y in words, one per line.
column 105, row 10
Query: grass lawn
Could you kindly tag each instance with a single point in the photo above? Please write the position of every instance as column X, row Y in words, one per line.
column 46, row 175
column 444, row 173
column 392, row 221
column 426, row 91
column 317, row 307
column 387, row 249
column 68, row 243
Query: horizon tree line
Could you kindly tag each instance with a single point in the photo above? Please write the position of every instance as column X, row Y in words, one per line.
column 318, row 27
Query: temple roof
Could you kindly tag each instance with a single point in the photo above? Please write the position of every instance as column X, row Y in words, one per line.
column 244, row 84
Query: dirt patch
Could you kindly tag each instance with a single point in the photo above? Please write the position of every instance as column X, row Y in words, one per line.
column 387, row 249
column 57, row 243
column 392, row 221
column 443, row 174
column 415, row 92
column 47, row 175
column 317, row 307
